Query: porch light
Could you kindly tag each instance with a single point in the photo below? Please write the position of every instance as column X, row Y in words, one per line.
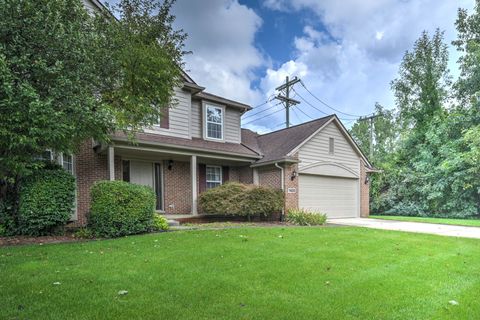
column 170, row 164
column 294, row 175
column 367, row 179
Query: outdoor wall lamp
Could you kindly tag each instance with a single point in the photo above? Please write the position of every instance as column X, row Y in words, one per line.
column 170, row 164
column 294, row 175
column 367, row 179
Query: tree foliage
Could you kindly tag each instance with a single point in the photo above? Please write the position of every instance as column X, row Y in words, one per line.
column 67, row 75
column 429, row 150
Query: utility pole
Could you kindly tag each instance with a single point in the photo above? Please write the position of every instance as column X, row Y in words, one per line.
column 370, row 118
column 286, row 98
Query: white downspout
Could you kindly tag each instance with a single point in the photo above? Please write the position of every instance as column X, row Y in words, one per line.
column 282, row 179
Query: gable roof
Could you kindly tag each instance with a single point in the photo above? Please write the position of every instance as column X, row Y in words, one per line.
column 281, row 145
column 276, row 145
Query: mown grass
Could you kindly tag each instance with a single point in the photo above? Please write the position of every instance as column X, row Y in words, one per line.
column 459, row 222
column 245, row 273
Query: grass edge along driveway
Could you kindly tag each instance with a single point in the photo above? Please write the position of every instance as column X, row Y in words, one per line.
column 245, row 273
column 456, row 222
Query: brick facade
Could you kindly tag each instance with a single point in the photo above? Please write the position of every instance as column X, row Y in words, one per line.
column 364, row 192
column 89, row 168
column 177, row 188
column 269, row 176
column 291, row 199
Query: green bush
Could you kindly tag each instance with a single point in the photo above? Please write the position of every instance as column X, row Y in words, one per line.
column 120, row 208
column 302, row 217
column 46, row 201
column 84, row 233
column 242, row 200
column 224, row 199
column 262, row 201
column 159, row 223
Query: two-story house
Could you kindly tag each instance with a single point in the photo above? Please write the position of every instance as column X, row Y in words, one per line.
column 199, row 144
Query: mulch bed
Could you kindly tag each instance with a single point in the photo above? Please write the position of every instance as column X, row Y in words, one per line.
column 20, row 240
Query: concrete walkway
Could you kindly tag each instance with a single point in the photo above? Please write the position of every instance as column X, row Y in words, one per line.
column 418, row 227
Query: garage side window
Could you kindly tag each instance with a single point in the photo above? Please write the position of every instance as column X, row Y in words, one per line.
column 331, row 145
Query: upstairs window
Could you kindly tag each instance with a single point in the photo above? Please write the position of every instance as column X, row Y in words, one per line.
column 331, row 145
column 214, row 122
column 214, row 176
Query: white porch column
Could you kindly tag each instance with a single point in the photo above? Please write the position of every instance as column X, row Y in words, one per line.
column 111, row 163
column 193, row 173
column 256, row 180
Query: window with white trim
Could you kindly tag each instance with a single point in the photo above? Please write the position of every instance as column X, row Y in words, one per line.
column 214, row 122
column 214, row 176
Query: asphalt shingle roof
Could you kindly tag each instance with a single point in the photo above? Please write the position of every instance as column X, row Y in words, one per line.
column 277, row 144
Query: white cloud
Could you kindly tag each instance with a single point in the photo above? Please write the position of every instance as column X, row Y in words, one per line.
column 221, row 35
column 354, row 70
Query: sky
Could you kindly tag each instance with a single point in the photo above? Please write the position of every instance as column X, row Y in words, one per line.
column 345, row 51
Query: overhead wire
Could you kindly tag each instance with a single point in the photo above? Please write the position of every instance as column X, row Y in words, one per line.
column 316, row 108
column 267, row 115
column 327, row 105
column 259, row 106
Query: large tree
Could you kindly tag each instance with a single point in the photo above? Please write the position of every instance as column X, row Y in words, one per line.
column 67, row 75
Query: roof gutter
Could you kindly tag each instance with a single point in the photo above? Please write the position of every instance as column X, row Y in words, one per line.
column 274, row 162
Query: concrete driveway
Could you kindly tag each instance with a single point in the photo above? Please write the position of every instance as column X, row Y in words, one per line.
column 418, row 227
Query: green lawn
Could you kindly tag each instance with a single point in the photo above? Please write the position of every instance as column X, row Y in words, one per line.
column 460, row 222
column 245, row 273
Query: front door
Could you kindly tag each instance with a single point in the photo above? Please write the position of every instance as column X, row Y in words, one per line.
column 148, row 174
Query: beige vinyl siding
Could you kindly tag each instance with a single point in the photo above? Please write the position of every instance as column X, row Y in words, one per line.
column 232, row 125
column 196, row 120
column 179, row 117
column 231, row 122
column 317, row 149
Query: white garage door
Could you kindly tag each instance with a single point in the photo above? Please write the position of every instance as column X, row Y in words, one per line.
column 337, row 197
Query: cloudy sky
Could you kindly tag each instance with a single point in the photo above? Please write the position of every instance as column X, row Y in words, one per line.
column 345, row 51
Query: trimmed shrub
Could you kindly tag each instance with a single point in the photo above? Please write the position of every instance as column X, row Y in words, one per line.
column 46, row 201
column 305, row 218
column 262, row 201
column 159, row 223
column 234, row 198
column 224, row 199
column 120, row 208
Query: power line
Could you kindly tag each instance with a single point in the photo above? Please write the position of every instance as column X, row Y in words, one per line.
column 296, row 114
column 271, row 106
column 316, row 108
column 270, row 98
column 263, row 116
column 326, row 104
column 305, row 113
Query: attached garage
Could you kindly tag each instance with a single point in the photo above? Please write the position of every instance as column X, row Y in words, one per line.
column 335, row 196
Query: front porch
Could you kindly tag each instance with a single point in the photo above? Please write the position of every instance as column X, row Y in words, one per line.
column 176, row 176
